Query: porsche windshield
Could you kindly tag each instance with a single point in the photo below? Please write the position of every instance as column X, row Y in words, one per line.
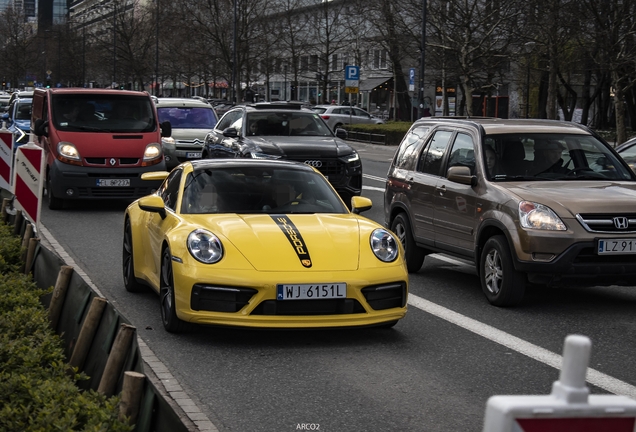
column 103, row 113
column 286, row 123
column 270, row 190
column 533, row 156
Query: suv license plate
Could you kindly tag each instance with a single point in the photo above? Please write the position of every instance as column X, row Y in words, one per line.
column 617, row 246
column 194, row 155
column 113, row 182
column 311, row 291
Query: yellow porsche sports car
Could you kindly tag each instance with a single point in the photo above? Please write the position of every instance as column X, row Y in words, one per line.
column 261, row 243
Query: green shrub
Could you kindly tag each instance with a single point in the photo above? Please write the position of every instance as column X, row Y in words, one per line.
column 37, row 391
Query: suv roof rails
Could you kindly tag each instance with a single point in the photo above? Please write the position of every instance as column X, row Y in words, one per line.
column 278, row 105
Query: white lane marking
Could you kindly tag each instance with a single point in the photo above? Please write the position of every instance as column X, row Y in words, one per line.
column 535, row 352
column 373, row 188
column 370, row 177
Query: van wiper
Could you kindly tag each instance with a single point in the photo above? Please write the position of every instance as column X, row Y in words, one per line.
column 90, row 128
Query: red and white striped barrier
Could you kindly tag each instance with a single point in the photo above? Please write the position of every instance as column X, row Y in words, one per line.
column 569, row 408
column 28, row 180
column 6, row 157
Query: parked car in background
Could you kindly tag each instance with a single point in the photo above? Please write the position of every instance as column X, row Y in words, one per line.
column 336, row 116
column 251, row 243
column 282, row 130
column 4, row 103
column 528, row 201
column 191, row 120
column 627, row 150
column 18, row 116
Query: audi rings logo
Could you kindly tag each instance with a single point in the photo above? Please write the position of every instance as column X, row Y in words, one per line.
column 314, row 163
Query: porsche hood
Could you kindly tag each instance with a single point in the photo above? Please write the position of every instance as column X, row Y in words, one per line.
column 292, row 242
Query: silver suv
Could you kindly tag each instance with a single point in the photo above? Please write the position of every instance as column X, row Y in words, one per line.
column 335, row 116
column 528, row 201
column 191, row 120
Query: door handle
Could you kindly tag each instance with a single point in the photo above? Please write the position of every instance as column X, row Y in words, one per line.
column 441, row 189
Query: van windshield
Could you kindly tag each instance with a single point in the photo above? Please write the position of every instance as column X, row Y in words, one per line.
column 103, row 113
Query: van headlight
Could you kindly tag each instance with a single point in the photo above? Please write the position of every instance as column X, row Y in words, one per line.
column 384, row 245
column 204, row 246
column 538, row 216
column 67, row 153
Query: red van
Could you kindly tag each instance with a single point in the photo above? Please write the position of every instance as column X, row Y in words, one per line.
column 98, row 143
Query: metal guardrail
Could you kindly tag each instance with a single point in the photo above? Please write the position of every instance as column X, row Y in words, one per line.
column 366, row 137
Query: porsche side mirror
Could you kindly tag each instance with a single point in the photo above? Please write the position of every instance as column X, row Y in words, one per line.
column 360, row 204
column 154, row 204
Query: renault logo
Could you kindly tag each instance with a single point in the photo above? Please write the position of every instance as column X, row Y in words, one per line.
column 112, row 161
column 621, row 222
column 314, row 163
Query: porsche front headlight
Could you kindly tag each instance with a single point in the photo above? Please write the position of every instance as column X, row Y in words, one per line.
column 538, row 216
column 205, row 246
column 384, row 245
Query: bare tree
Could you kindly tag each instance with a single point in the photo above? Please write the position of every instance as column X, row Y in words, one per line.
column 616, row 24
column 478, row 36
column 18, row 48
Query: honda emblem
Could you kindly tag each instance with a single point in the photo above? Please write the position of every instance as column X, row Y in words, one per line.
column 621, row 222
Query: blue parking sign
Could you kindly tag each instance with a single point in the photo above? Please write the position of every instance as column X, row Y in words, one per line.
column 352, row 73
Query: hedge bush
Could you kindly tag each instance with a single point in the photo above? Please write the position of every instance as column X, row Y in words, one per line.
column 37, row 386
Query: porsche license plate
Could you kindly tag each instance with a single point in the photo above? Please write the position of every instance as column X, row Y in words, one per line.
column 113, row 182
column 311, row 291
column 617, row 246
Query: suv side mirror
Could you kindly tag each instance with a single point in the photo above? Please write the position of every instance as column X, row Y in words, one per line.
column 342, row 133
column 230, row 132
column 461, row 174
column 166, row 129
column 40, row 128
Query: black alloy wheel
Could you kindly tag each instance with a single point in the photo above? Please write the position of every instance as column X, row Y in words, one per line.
column 413, row 254
column 171, row 322
column 128, row 265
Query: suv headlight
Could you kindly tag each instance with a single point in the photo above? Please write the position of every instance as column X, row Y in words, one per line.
column 261, row 155
column 384, row 245
column 205, row 246
column 352, row 158
column 537, row 216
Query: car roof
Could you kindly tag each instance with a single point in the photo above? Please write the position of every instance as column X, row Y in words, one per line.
column 202, row 164
column 181, row 102
column 495, row 126
column 277, row 106
column 627, row 144
column 82, row 90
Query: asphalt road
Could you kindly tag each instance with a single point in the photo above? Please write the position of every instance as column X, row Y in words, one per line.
column 434, row 371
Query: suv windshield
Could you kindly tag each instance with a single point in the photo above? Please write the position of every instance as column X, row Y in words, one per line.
column 531, row 156
column 187, row 118
column 286, row 124
column 103, row 113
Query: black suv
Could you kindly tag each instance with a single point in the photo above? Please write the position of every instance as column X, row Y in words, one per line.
column 287, row 131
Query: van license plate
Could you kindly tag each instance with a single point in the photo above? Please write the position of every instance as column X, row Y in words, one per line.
column 617, row 246
column 113, row 182
column 311, row 291
column 193, row 155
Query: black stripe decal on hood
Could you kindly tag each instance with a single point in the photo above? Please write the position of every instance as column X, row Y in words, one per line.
column 294, row 237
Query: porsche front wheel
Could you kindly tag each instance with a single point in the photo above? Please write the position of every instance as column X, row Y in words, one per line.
column 128, row 265
column 171, row 322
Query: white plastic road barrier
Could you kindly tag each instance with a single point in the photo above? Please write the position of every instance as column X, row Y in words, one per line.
column 6, row 157
column 28, row 181
column 569, row 408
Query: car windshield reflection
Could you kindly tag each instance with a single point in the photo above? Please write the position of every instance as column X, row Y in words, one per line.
column 286, row 124
column 249, row 190
column 540, row 157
